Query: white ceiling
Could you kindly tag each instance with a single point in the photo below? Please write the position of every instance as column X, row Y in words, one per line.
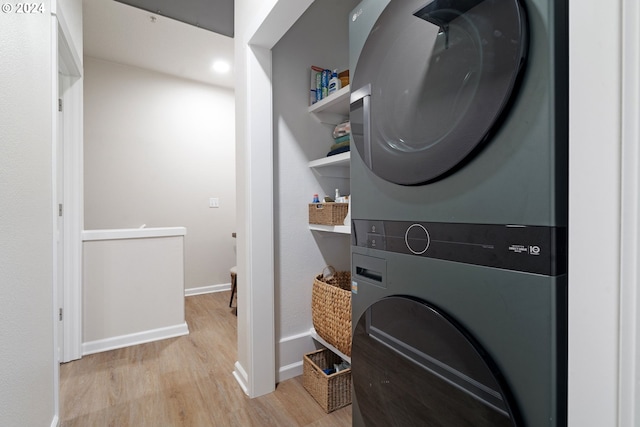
column 120, row 33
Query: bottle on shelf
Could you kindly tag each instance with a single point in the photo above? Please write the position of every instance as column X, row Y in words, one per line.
column 334, row 84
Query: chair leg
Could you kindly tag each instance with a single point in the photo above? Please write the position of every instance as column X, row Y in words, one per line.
column 233, row 288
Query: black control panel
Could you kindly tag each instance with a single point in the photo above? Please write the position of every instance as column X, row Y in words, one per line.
column 533, row 249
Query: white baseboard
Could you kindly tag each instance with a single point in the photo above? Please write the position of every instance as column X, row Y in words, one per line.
column 134, row 339
column 290, row 371
column 291, row 349
column 207, row 289
column 241, row 377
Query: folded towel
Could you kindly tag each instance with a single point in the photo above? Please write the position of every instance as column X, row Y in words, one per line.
column 342, row 138
column 340, row 145
column 342, row 129
column 338, row 151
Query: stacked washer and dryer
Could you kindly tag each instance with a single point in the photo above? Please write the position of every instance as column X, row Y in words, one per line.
column 459, row 112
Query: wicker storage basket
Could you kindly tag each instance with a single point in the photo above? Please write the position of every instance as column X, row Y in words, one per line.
column 330, row 391
column 331, row 308
column 328, row 213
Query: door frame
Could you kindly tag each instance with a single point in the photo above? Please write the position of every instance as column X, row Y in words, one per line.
column 67, row 67
column 629, row 388
column 255, row 369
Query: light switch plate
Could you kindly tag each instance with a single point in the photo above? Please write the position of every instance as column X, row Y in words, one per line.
column 214, row 202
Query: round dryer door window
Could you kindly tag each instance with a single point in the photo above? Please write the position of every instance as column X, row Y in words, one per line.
column 413, row 365
column 431, row 83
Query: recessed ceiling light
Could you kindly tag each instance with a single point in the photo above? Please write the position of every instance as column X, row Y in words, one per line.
column 221, row 66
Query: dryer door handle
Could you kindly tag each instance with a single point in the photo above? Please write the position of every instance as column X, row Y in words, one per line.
column 369, row 274
column 360, row 116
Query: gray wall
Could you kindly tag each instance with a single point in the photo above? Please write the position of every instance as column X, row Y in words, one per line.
column 156, row 149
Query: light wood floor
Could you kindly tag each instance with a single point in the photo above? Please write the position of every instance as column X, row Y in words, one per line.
column 183, row 381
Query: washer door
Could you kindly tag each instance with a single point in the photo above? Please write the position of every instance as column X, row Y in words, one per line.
column 431, row 83
column 412, row 365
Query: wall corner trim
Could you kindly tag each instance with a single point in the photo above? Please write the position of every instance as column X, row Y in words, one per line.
column 241, row 377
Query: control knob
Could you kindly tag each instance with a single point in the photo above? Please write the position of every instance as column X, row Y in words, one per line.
column 417, row 239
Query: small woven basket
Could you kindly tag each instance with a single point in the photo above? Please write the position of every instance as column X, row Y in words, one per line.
column 328, row 213
column 331, row 308
column 330, row 391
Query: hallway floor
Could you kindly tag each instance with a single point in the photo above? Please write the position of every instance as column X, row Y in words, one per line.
column 183, row 381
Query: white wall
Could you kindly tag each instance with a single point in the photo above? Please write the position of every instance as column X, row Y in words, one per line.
column 26, row 220
column 298, row 138
column 156, row 149
column 133, row 287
